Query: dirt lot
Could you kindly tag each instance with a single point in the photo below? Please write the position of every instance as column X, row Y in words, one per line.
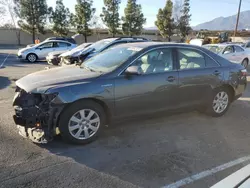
column 159, row 151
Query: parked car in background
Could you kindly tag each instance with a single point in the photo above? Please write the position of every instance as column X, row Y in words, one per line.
column 246, row 44
column 239, row 179
column 95, row 48
column 233, row 52
column 69, row 39
column 41, row 50
column 54, row 58
column 126, row 80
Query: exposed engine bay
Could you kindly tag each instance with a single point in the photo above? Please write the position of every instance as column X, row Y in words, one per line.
column 35, row 116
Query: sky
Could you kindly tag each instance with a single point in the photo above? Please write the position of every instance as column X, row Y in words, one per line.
column 201, row 10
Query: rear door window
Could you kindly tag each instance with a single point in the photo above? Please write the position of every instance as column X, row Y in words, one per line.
column 63, row 44
column 190, row 59
column 238, row 49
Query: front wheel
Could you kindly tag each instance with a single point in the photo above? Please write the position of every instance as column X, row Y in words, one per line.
column 82, row 122
column 219, row 103
column 32, row 58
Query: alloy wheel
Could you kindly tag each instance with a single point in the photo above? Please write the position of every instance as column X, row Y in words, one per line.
column 32, row 58
column 220, row 102
column 84, row 124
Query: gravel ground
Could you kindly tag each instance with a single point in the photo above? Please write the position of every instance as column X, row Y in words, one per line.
column 146, row 152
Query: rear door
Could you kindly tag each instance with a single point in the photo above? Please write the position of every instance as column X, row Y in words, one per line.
column 198, row 74
column 154, row 90
column 239, row 53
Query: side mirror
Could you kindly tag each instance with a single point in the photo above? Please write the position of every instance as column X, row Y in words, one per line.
column 227, row 52
column 133, row 70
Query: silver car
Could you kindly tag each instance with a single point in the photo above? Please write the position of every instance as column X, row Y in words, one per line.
column 233, row 52
column 40, row 51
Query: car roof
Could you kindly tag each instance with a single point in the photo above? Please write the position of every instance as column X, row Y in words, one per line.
column 223, row 44
column 56, row 41
column 157, row 44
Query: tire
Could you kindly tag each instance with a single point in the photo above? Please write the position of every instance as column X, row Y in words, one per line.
column 32, row 58
column 211, row 107
column 245, row 63
column 67, row 121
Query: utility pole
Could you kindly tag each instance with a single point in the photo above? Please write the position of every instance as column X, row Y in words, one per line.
column 237, row 22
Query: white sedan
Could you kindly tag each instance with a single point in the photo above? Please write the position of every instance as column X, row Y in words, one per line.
column 233, row 52
column 40, row 51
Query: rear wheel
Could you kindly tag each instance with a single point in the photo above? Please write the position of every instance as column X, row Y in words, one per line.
column 32, row 58
column 82, row 122
column 219, row 102
column 245, row 63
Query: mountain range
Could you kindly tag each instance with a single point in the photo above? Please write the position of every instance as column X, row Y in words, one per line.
column 226, row 23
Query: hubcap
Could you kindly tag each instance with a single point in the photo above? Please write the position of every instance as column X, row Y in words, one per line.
column 84, row 124
column 220, row 102
column 32, row 58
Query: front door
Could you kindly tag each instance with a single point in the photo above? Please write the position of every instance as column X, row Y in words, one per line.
column 153, row 90
column 44, row 49
column 229, row 53
column 198, row 74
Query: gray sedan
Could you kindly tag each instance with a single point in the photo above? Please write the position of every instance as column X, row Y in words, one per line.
column 40, row 51
column 233, row 52
column 126, row 80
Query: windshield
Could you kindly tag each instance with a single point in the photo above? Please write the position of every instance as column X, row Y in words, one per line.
column 107, row 61
column 97, row 46
column 215, row 49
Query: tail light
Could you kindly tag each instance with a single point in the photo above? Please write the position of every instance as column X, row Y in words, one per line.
column 243, row 72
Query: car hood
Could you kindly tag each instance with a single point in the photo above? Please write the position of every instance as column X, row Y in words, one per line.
column 36, row 82
column 76, row 53
column 24, row 49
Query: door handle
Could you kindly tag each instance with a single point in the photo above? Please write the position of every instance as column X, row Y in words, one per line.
column 171, row 79
column 216, row 72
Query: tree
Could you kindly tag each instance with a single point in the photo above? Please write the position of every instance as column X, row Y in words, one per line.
column 185, row 18
column 133, row 20
column 165, row 21
column 9, row 8
column 177, row 11
column 60, row 17
column 96, row 25
column 33, row 14
column 81, row 19
column 110, row 15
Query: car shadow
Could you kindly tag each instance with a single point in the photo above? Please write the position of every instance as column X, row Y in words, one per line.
column 139, row 149
column 4, row 82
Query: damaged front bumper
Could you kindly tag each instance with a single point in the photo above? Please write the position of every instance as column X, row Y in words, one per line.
column 36, row 115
